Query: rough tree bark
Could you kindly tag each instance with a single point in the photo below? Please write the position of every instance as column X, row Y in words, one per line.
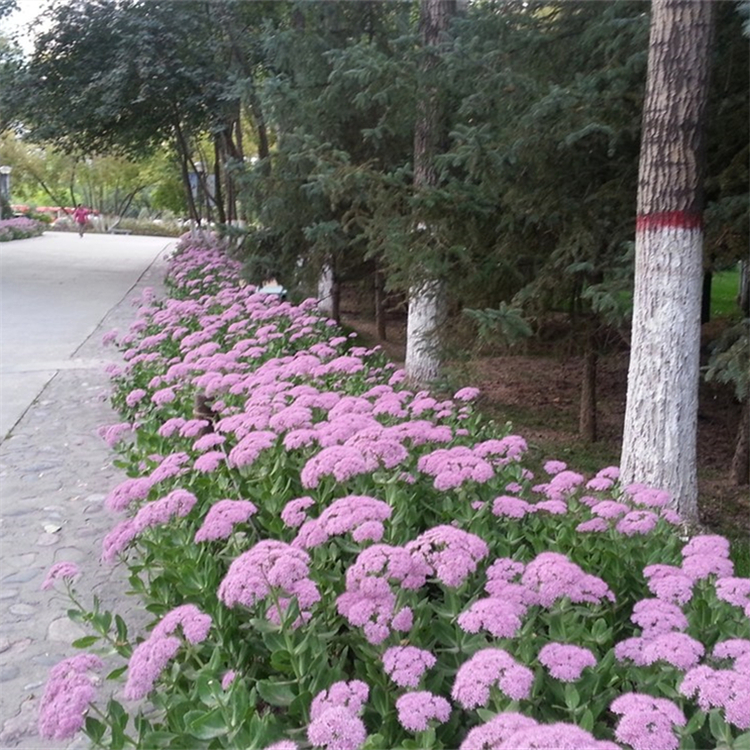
column 427, row 303
column 659, row 441
column 326, row 289
column 740, row 471
column 587, row 421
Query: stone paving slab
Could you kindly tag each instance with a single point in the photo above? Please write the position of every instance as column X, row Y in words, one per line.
column 55, row 472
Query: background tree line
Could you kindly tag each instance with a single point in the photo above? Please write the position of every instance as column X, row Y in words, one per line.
column 303, row 116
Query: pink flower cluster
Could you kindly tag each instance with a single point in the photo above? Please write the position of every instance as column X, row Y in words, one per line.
column 449, row 553
column 177, row 503
column 566, row 662
column 62, row 570
column 488, row 668
column 150, row 658
column 335, row 722
column 270, row 569
column 647, row 722
column 222, row 517
column 369, row 601
column 451, row 467
column 360, row 515
column 418, row 709
column 405, row 665
column 726, row 689
column 552, row 576
column 67, row 695
column 513, row 731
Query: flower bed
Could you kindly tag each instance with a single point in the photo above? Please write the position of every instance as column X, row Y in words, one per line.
column 331, row 558
column 20, row 228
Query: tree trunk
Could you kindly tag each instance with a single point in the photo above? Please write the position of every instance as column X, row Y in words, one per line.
column 336, row 299
column 427, row 296
column 184, row 156
column 740, row 471
column 426, row 316
column 587, row 423
column 380, row 321
column 219, row 158
column 325, row 289
column 659, row 441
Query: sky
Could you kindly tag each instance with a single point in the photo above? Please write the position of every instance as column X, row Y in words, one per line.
column 18, row 22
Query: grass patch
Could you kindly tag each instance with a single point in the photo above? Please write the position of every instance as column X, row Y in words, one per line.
column 724, row 288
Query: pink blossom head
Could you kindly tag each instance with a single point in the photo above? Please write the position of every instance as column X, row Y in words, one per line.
column 147, row 662
column 451, row 553
column 496, row 731
column 193, row 623
column 65, row 571
column 405, row 665
column 337, row 729
column 222, row 517
column 67, row 697
column 418, row 710
column 566, row 662
column 488, row 668
column 350, row 695
column 647, row 722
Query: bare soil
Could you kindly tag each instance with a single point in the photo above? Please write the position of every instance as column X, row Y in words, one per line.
column 539, row 393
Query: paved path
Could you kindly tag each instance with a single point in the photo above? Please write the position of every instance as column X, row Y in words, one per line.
column 54, row 469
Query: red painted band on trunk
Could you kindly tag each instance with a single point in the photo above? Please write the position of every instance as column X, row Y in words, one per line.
column 669, row 219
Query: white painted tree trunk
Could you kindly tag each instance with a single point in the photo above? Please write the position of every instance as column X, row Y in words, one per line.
column 325, row 290
column 661, row 417
column 426, row 317
column 659, row 440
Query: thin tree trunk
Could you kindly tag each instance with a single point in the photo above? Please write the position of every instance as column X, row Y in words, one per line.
column 336, row 300
column 325, row 289
column 219, row 156
column 587, row 423
column 740, row 471
column 660, row 435
column 380, row 321
column 184, row 155
column 427, row 296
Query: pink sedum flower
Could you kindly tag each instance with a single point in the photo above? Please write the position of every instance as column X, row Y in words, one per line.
column 148, row 661
column 349, row 695
column 566, row 662
column 490, row 667
column 66, row 571
column 647, row 722
column 417, row 710
column 222, row 517
column 405, row 665
column 293, row 515
column 67, row 696
column 193, row 623
column 337, row 729
column 452, row 554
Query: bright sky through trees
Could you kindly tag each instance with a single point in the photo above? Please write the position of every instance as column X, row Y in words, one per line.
column 18, row 23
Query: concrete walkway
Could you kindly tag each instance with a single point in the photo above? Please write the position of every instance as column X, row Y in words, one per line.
column 58, row 294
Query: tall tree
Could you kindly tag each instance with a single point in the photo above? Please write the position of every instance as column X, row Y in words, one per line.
column 659, row 441
column 427, row 296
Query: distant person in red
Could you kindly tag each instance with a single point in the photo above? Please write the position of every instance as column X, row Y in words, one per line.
column 80, row 216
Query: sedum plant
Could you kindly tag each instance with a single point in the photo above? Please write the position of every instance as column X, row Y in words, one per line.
column 331, row 558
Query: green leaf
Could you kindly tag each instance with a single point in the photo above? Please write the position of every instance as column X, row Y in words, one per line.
column 742, row 742
column 116, row 673
column 278, row 694
column 86, row 641
column 206, row 726
column 94, row 728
